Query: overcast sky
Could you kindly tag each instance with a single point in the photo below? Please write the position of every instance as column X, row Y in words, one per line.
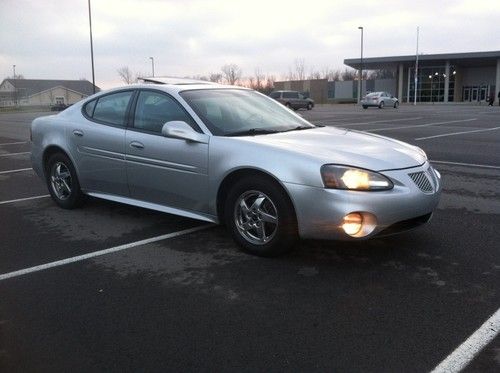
column 50, row 39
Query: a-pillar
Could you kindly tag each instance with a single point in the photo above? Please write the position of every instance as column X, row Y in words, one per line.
column 446, row 81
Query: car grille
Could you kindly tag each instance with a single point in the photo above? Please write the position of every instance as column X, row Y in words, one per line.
column 422, row 181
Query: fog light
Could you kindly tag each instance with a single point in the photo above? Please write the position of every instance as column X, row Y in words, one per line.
column 353, row 223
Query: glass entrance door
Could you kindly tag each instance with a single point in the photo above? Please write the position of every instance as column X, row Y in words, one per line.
column 466, row 94
column 474, row 94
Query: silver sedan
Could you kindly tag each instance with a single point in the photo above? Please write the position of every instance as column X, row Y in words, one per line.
column 231, row 155
column 380, row 100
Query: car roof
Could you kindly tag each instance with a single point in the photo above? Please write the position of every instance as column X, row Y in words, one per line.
column 174, row 85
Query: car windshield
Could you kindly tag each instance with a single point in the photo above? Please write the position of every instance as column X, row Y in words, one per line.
column 232, row 112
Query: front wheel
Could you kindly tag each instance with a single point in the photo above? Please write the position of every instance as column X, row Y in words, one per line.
column 260, row 217
column 365, row 107
column 396, row 104
column 62, row 182
column 309, row 106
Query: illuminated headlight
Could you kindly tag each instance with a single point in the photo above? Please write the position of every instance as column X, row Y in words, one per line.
column 344, row 177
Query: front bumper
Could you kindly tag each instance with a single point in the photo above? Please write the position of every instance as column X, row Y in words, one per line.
column 320, row 211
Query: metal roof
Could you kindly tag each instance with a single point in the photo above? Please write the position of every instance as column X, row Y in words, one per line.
column 488, row 58
column 34, row 86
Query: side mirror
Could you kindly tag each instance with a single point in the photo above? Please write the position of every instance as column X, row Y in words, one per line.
column 178, row 129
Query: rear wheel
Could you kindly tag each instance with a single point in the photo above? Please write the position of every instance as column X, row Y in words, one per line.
column 309, row 106
column 381, row 105
column 62, row 182
column 288, row 105
column 260, row 217
column 396, row 104
column 365, row 107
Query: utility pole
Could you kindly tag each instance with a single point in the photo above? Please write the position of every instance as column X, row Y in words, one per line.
column 14, row 69
column 360, row 85
column 91, row 48
column 416, row 71
column 152, row 65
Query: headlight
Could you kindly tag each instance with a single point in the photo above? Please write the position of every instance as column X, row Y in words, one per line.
column 345, row 177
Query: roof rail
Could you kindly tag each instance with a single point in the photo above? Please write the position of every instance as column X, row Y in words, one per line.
column 173, row 80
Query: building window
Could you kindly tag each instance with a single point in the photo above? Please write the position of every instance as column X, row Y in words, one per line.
column 431, row 84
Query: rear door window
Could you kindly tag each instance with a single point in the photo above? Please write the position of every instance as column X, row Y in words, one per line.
column 112, row 109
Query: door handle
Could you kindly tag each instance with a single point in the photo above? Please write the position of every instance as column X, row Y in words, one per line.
column 78, row 133
column 137, row 145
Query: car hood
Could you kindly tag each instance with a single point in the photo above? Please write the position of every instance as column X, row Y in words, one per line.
column 347, row 147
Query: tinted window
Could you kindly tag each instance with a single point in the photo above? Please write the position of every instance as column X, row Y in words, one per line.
column 89, row 108
column 154, row 109
column 112, row 108
column 275, row 94
column 290, row 95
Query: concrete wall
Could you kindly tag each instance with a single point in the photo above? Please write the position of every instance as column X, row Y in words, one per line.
column 317, row 88
column 386, row 85
column 478, row 75
column 345, row 89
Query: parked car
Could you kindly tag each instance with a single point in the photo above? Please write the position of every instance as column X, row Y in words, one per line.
column 293, row 99
column 232, row 155
column 380, row 100
column 58, row 106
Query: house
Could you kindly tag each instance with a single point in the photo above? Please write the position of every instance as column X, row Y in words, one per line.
column 43, row 92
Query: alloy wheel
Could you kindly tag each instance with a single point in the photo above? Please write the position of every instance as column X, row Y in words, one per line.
column 60, row 180
column 256, row 217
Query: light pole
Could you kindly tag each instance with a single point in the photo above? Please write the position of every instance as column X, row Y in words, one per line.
column 430, row 77
column 152, row 65
column 91, row 48
column 14, row 69
column 360, row 86
column 416, row 71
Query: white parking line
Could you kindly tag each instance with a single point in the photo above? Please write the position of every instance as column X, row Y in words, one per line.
column 467, row 164
column 421, row 125
column 18, row 170
column 14, row 143
column 11, row 154
column 24, row 199
column 78, row 258
column 468, row 350
column 380, row 121
column 457, row 133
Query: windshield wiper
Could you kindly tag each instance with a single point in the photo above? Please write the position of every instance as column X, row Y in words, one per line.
column 252, row 132
column 299, row 128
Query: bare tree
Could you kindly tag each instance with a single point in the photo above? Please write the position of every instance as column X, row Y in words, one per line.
column 259, row 79
column 300, row 68
column 349, row 74
column 232, row 73
column 382, row 74
column 126, row 74
column 215, row 77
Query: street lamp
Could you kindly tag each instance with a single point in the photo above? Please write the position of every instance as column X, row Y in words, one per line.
column 152, row 65
column 91, row 48
column 360, row 67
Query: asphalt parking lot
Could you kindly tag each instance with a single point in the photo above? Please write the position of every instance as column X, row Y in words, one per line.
column 190, row 301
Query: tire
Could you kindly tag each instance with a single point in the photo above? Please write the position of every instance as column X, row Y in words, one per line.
column 309, row 106
column 260, row 217
column 365, row 107
column 381, row 105
column 288, row 105
column 62, row 182
column 396, row 104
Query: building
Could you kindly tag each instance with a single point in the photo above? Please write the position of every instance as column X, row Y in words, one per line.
column 313, row 88
column 41, row 92
column 449, row 77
